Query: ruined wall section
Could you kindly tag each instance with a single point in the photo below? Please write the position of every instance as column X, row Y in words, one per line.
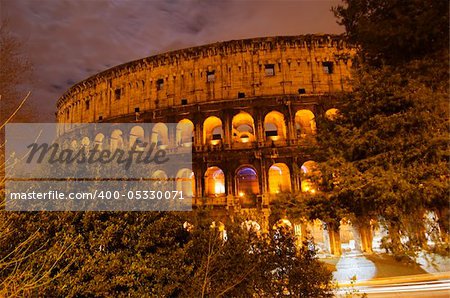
column 225, row 71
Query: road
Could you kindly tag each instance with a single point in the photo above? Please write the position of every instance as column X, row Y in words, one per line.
column 411, row 286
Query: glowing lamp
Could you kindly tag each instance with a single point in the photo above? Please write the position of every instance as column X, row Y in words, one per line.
column 245, row 139
column 219, row 188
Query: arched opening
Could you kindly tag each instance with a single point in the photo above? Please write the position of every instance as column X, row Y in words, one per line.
column 116, row 140
column 214, row 182
column 160, row 134
column 185, row 133
column 379, row 233
column 159, row 180
column 305, row 123
column 274, row 126
column 310, row 178
column 317, row 233
column 98, row 141
column 137, row 137
column 212, row 130
column 279, row 178
column 332, row 114
column 85, row 142
column 243, row 130
column 349, row 237
column 74, row 145
column 247, row 181
column 186, row 182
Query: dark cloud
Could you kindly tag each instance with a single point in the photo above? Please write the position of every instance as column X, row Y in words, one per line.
column 71, row 40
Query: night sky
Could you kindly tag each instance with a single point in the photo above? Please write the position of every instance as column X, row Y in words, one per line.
column 68, row 41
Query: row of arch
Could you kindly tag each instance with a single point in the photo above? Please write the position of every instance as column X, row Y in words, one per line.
column 246, row 180
column 243, row 130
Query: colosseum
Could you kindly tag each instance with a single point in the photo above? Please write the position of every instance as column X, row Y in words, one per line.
column 249, row 109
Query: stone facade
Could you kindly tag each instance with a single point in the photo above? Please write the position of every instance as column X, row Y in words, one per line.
column 253, row 106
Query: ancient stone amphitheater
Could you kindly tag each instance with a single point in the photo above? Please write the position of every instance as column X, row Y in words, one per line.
column 250, row 107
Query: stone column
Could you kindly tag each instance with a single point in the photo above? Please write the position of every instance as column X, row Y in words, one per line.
column 259, row 133
column 200, row 182
column 227, row 129
column 198, row 136
column 172, row 134
column 335, row 240
column 365, row 231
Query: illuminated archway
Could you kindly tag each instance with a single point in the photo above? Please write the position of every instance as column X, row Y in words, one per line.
column 247, row 181
column 116, row 140
column 310, row 176
column 318, row 234
column 136, row 136
column 85, row 142
column 274, row 126
column 186, row 182
column 332, row 114
column 305, row 122
column 185, row 133
column 160, row 134
column 74, row 145
column 214, row 182
column 212, row 130
column 279, row 178
column 348, row 237
column 98, row 141
column 159, row 180
column 243, row 128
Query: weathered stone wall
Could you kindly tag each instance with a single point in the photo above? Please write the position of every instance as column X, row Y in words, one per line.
column 287, row 82
column 314, row 64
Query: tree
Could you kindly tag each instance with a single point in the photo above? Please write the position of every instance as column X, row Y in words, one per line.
column 150, row 254
column 15, row 71
column 395, row 32
column 386, row 154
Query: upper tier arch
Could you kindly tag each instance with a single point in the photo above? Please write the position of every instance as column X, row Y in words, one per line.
column 231, row 70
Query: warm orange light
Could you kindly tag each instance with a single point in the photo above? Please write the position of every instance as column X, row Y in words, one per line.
column 241, row 194
column 275, row 138
column 219, row 188
column 215, row 142
column 244, row 139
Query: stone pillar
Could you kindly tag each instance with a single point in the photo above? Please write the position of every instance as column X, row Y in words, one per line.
column 229, row 183
column 198, row 176
column 172, row 134
column 335, row 240
column 259, row 133
column 200, row 182
column 365, row 231
column 294, row 178
column 227, row 129
column 198, row 136
column 264, row 183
